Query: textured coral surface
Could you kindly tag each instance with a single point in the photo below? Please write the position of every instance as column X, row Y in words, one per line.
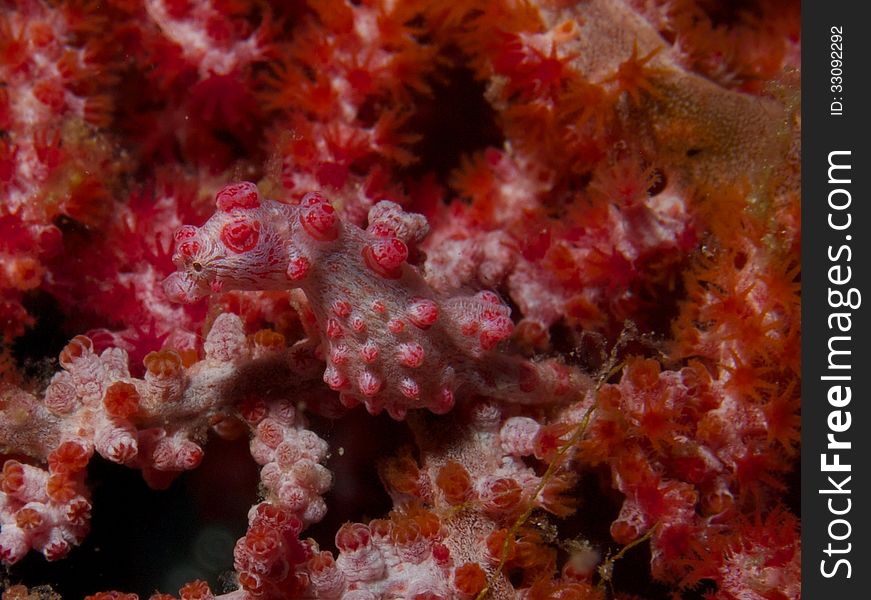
column 454, row 300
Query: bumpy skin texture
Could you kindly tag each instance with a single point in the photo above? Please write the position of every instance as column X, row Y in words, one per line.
column 390, row 342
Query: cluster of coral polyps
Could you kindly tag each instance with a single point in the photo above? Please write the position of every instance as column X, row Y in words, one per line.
column 557, row 241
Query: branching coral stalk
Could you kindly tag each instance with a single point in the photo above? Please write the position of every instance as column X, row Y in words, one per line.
column 156, row 424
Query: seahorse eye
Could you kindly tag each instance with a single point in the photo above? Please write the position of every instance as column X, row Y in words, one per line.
column 197, row 267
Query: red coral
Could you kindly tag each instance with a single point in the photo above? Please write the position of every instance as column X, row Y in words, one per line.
column 516, row 199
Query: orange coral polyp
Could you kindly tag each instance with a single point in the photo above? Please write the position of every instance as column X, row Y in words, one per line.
column 499, row 545
column 635, row 78
column 68, row 457
column 402, row 474
column 61, row 487
column 503, row 494
column 550, row 439
column 12, row 479
column 28, row 519
column 470, row 579
column 269, row 339
column 195, row 590
column 427, row 521
column 405, row 532
column 24, row 273
column 322, row 562
column 79, row 346
column 453, row 480
column 121, row 399
column 164, row 363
